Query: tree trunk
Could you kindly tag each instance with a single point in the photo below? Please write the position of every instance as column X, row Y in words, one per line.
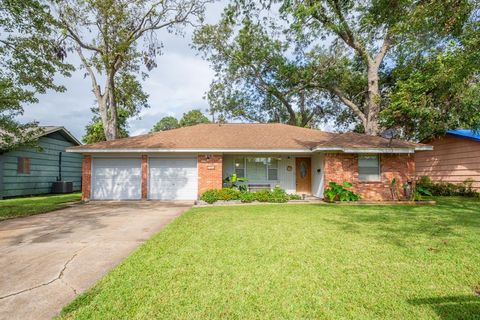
column 373, row 101
column 110, row 125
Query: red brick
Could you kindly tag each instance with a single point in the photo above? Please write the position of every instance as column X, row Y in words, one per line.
column 144, row 177
column 341, row 167
column 210, row 169
column 86, row 177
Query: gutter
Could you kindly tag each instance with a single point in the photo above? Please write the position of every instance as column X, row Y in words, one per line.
column 257, row 151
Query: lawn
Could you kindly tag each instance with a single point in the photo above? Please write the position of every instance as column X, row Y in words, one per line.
column 300, row 261
column 27, row 206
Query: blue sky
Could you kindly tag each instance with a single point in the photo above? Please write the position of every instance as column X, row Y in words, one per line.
column 177, row 85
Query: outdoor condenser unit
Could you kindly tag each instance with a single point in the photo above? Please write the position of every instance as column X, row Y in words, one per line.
column 60, row 186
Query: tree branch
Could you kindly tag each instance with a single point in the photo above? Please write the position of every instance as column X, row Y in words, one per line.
column 386, row 45
column 349, row 103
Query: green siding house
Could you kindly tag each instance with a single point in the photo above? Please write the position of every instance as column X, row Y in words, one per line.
column 30, row 171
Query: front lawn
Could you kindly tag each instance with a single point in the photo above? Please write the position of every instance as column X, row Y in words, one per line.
column 27, row 206
column 300, row 261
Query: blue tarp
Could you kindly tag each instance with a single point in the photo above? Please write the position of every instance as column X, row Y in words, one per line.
column 470, row 134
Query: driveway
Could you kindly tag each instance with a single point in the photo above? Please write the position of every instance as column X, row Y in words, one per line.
column 48, row 259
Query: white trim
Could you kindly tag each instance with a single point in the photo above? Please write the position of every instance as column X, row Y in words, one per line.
column 424, row 148
column 380, row 150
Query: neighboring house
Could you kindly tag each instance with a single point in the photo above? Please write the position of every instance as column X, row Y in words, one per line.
column 183, row 163
column 455, row 158
column 29, row 171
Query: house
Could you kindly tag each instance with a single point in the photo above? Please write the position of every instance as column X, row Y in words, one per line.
column 454, row 159
column 183, row 163
column 29, row 171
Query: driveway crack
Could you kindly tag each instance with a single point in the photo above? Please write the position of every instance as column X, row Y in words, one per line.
column 59, row 277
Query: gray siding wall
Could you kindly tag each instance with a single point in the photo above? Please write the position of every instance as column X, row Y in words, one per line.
column 43, row 168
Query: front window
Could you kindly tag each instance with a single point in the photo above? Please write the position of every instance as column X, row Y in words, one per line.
column 257, row 169
column 368, row 168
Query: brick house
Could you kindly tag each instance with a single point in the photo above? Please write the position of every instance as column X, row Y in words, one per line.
column 183, row 163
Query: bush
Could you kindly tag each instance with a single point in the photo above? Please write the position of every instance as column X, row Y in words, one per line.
column 447, row 189
column 294, row 196
column 247, row 197
column 210, row 196
column 228, row 194
column 337, row 192
column 276, row 195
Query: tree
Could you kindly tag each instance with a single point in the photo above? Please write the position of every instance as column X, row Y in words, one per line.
column 256, row 80
column 166, row 123
column 131, row 100
column 30, row 56
column 192, row 118
column 438, row 92
column 107, row 36
column 370, row 30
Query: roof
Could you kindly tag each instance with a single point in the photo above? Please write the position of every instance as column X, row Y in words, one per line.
column 272, row 137
column 464, row 133
column 46, row 130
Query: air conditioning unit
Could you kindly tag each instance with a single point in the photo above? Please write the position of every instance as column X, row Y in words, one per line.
column 62, row 187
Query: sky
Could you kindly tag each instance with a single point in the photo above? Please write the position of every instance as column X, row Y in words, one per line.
column 177, row 85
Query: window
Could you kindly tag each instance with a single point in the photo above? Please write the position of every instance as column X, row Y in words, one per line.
column 240, row 167
column 368, row 168
column 257, row 169
column 23, row 165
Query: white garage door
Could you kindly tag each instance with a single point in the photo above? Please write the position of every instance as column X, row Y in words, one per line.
column 173, row 179
column 116, row 179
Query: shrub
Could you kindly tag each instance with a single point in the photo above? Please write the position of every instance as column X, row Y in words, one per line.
column 447, row 189
column 276, row 195
column 262, row 195
column 228, row 194
column 294, row 196
column 337, row 192
column 210, row 196
column 247, row 196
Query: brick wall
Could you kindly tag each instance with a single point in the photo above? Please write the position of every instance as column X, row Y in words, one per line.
column 210, row 169
column 144, row 177
column 86, row 177
column 340, row 167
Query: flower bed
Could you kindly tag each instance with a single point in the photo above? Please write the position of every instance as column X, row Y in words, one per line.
column 276, row 195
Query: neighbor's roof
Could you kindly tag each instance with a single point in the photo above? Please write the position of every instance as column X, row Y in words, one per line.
column 469, row 134
column 250, row 138
column 46, row 130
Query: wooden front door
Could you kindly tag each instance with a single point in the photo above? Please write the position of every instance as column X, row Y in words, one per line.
column 303, row 169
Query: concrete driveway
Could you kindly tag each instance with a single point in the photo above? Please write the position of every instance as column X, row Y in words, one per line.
column 48, row 259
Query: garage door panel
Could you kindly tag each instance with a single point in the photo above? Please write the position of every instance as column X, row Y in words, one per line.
column 173, row 179
column 116, row 179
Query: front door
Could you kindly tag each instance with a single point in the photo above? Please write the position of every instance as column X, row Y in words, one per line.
column 303, row 168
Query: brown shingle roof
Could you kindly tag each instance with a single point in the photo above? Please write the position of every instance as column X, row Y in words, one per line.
column 272, row 136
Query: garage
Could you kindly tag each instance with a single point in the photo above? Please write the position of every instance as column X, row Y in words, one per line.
column 116, row 178
column 173, row 179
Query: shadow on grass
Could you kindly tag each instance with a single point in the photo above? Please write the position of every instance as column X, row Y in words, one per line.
column 399, row 224
column 452, row 307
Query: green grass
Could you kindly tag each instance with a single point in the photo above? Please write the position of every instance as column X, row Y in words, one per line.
column 21, row 207
column 300, row 261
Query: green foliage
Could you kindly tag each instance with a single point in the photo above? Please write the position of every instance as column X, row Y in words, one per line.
column 429, row 188
column 111, row 37
column 337, row 192
column 166, row 123
column 210, row 196
column 232, row 181
column 277, row 195
column 131, row 100
column 259, row 77
column 192, row 118
column 247, row 197
column 30, row 57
